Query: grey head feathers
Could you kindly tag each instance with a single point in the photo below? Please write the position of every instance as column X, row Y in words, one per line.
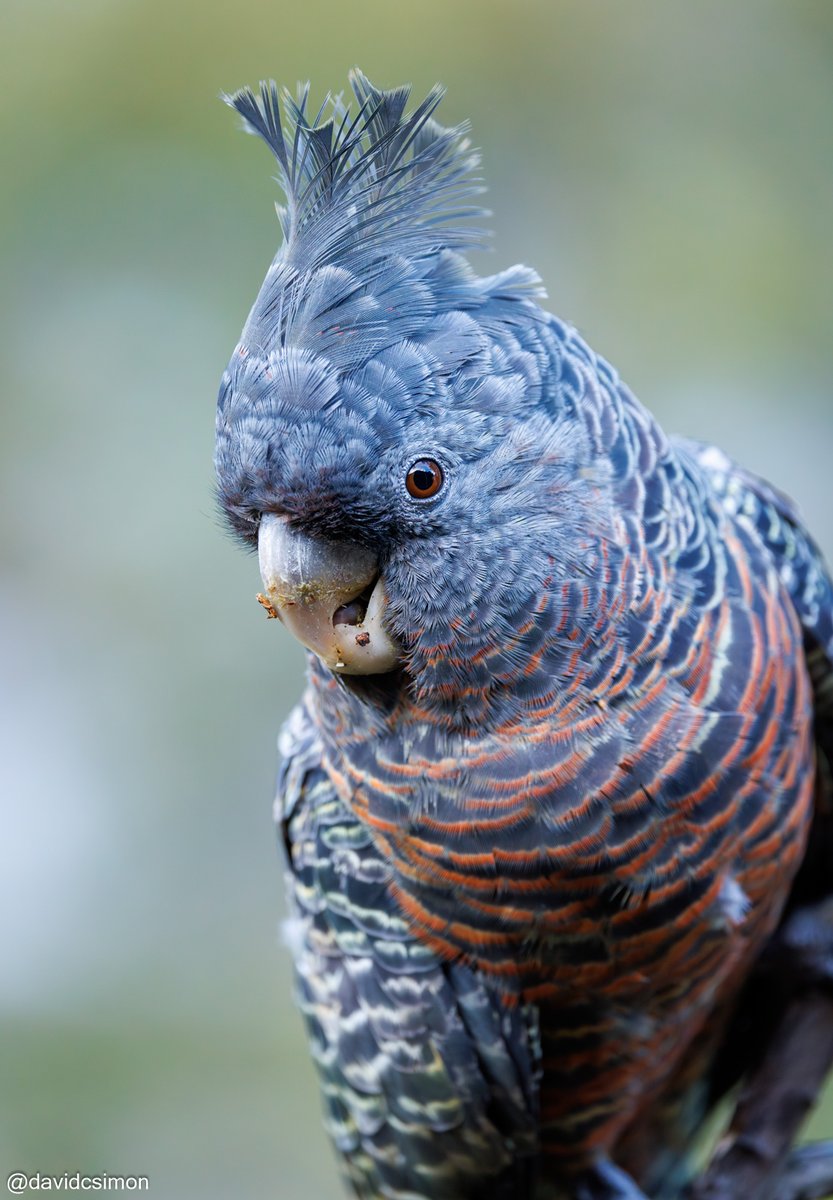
column 371, row 330
column 374, row 225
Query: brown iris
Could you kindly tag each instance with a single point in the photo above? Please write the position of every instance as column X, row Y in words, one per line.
column 424, row 479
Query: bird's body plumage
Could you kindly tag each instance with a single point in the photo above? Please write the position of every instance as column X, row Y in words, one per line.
column 531, row 867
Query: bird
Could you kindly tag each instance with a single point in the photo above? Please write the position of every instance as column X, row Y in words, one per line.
column 569, row 704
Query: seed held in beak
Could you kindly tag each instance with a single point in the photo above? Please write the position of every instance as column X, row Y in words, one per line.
column 330, row 595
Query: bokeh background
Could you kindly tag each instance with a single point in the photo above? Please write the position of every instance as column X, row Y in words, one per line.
column 667, row 166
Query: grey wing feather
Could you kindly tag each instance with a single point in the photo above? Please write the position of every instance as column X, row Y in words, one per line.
column 429, row 1081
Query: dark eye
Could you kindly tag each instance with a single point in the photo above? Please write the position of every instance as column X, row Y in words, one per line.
column 424, row 479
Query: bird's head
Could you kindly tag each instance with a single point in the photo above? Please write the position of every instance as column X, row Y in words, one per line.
column 395, row 434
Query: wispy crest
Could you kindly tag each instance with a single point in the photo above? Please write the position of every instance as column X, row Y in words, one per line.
column 375, row 182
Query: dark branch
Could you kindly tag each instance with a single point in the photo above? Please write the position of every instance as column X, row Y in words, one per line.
column 753, row 1162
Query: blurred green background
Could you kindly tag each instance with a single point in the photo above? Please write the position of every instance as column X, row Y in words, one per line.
column 668, row 168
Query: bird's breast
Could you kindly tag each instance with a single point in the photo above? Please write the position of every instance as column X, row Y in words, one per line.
column 647, row 839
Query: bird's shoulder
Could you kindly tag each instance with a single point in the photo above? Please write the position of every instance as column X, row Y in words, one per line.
column 777, row 522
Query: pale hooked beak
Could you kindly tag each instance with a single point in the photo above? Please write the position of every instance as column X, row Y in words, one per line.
column 329, row 595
